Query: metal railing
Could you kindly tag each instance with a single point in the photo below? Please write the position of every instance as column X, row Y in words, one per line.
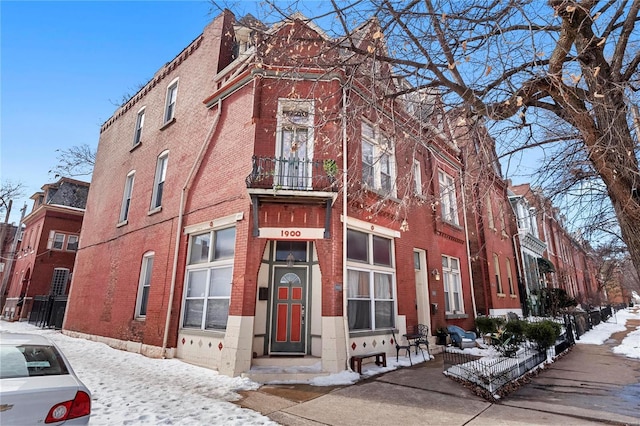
column 48, row 311
column 491, row 373
column 292, row 174
column 582, row 322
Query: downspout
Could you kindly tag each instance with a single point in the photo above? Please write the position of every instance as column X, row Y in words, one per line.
column 466, row 236
column 344, row 226
column 183, row 199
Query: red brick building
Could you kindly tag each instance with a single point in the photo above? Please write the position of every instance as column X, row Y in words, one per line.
column 552, row 257
column 44, row 262
column 252, row 205
column 492, row 224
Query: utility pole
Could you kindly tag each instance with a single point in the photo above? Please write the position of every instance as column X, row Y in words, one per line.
column 12, row 254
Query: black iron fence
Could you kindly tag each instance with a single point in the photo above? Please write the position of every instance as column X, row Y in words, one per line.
column 582, row 321
column 491, row 373
column 292, row 173
column 48, row 311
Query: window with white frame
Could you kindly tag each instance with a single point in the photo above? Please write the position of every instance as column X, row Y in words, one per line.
column 158, row 184
column 378, row 162
column 72, row 243
column 137, row 136
column 496, row 270
column 170, row 105
column 490, row 220
column 144, row 285
column 449, row 206
column 370, row 281
column 126, row 196
column 209, row 279
column 59, row 281
column 452, row 284
column 58, row 241
column 417, row 177
column 294, row 144
column 509, row 276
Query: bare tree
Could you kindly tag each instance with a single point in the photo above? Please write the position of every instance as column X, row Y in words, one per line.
column 517, row 63
column 9, row 191
column 75, row 161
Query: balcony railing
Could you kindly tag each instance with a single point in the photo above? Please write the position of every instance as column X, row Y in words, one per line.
column 292, row 174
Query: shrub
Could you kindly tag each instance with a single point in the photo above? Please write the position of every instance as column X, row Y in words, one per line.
column 544, row 333
column 488, row 325
column 509, row 337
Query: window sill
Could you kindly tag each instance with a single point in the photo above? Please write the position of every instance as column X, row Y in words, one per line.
column 501, row 295
column 154, row 211
column 452, row 224
column 455, row 316
column 381, row 193
column 121, row 224
column 513, row 296
column 136, row 146
column 199, row 332
column 168, row 123
column 366, row 333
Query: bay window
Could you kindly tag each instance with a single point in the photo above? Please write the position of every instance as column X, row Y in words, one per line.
column 370, row 282
column 209, row 279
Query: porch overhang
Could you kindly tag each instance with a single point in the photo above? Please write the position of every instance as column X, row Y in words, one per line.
column 545, row 265
column 284, row 196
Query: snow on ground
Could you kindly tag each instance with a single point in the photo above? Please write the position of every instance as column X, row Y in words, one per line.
column 130, row 389
column 630, row 345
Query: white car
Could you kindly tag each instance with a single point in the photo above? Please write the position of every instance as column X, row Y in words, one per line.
column 37, row 384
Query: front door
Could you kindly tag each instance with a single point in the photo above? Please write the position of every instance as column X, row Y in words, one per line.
column 288, row 331
column 422, row 287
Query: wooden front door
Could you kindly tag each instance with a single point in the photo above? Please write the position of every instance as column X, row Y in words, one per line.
column 288, row 331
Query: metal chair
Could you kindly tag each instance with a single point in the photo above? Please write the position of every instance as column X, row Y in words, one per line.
column 399, row 347
column 423, row 331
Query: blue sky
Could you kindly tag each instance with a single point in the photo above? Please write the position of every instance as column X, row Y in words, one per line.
column 63, row 67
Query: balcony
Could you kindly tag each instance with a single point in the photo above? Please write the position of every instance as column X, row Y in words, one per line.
column 292, row 174
column 292, row 180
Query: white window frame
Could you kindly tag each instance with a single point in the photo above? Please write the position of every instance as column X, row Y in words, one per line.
column 496, row 272
column 57, row 241
column 208, row 266
column 382, row 148
column 417, row 176
column 59, row 281
column 448, row 198
column 158, row 182
column 285, row 106
column 126, row 196
column 72, row 239
column 144, row 285
column 452, row 282
column 492, row 224
column 372, row 269
column 510, row 276
column 170, row 103
column 137, row 134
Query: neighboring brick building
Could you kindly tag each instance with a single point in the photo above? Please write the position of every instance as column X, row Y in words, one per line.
column 10, row 243
column 552, row 258
column 492, row 223
column 221, row 227
column 44, row 260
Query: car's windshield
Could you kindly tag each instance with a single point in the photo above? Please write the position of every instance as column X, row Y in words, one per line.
column 30, row 360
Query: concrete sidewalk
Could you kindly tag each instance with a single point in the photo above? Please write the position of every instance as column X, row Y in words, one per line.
column 589, row 385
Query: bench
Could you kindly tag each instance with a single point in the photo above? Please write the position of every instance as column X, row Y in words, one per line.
column 356, row 360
